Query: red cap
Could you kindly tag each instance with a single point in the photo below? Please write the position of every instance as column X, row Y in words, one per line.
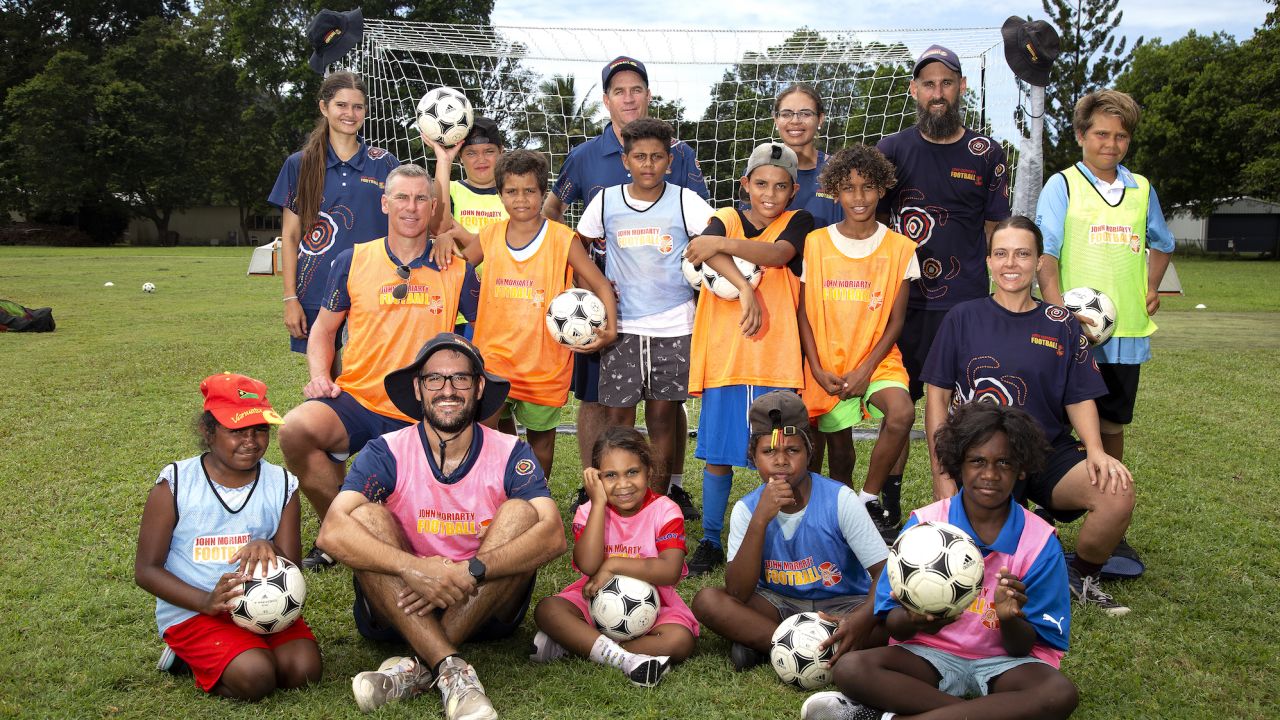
column 237, row 401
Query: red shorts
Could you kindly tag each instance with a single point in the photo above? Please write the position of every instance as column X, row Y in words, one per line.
column 209, row 644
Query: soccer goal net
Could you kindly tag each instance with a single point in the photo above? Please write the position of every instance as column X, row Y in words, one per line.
column 716, row 87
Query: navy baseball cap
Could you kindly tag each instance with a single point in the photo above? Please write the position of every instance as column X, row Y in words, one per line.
column 617, row 65
column 936, row 53
column 484, row 132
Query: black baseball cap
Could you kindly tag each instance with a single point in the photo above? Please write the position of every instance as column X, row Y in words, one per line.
column 332, row 34
column 484, row 132
column 399, row 383
column 936, row 53
column 617, row 65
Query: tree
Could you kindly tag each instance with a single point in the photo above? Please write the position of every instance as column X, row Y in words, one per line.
column 1257, row 114
column 557, row 119
column 1092, row 55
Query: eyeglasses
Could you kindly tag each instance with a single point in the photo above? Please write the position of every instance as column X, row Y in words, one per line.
column 459, row 381
column 805, row 115
column 400, row 291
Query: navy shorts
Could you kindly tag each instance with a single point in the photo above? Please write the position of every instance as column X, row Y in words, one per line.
column 1038, row 488
column 373, row 627
column 918, row 332
column 361, row 423
column 299, row 345
column 1122, row 392
column 586, row 377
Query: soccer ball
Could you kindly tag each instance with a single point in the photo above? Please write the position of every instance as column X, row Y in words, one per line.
column 574, row 316
column 147, row 287
column 935, row 568
column 725, row 289
column 1095, row 305
column 625, row 608
column 271, row 600
column 796, row 655
column 444, row 115
column 692, row 273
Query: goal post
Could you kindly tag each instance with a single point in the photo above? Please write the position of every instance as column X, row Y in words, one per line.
column 716, row 87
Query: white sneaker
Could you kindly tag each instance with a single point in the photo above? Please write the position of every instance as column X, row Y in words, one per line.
column 832, row 705
column 545, row 649
column 397, row 678
column 646, row 670
column 461, row 692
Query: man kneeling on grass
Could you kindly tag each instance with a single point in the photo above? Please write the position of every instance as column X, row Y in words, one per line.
column 445, row 524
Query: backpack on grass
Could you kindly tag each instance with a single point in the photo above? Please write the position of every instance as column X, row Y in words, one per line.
column 21, row 319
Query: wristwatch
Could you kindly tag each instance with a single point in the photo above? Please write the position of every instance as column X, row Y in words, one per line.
column 477, row 569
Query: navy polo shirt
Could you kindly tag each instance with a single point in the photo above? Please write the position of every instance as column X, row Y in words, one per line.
column 350, row 212
column 597, row 164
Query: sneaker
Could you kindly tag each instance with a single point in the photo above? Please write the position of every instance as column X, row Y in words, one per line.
column 461, row 692
column 1125, row 550
column 397, row 678
column 888, row 531
column 648, row 671
column 318, row 560
column 832, row 705
column 707, row 557
column 581, row 499
column 171, row 663
column 1086, row 590
column 685, row 502
column 891, row 499
column 744, row 658
column 545, row 649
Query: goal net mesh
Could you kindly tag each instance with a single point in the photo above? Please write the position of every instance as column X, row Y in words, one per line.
column 716, row 87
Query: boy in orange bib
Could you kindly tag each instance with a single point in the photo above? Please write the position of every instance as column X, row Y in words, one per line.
column 528, row 260
column 853, row 301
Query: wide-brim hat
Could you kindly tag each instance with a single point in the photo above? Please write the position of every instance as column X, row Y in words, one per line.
column 399, row 383
column 1030, row 49
column 332, row 34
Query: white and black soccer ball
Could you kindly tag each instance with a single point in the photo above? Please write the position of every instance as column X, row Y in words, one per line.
column 935, row 568
column 1095, row 305
column 725, row 289
column 445, row 115
column 273, row 600
column 797, row 655
column 625, row 608
column 574, row 316
column 692, row 273
column 147, row 287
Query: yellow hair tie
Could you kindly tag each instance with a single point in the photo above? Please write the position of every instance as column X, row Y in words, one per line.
column 773, row 439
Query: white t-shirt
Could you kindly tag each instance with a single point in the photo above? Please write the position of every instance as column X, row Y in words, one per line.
column 858, row 249
column 678, row 321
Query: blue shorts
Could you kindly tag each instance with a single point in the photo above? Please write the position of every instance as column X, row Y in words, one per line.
column 586, row 377
column 299, row 345
column 723, row 431
column 963, row 677
column 361, row 423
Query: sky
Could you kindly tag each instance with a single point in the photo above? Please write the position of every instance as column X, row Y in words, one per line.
column 704, row 55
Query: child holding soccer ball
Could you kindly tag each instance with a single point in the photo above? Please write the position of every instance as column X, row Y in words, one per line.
column 853, row 302
column 800, row 542
column 528, row 259
column 624, row 529
column 210, row 522
column 1005, row 648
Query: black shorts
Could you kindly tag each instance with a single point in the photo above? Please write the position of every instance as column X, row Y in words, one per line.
column 586, row 377
column 1038, row 488
column 918, row 332
column 1122, row 391
column 373, row 627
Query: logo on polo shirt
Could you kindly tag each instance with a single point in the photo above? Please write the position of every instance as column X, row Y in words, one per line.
column 1049, row 342
column 325, row 232
column 830, row 573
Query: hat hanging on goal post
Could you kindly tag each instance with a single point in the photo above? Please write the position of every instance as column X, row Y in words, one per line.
column 332, row 34
column 1030, row 47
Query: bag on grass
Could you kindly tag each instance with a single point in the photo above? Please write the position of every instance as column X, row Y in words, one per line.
column 22, row 319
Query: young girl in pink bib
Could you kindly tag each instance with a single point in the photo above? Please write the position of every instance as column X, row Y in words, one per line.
column 625, row 529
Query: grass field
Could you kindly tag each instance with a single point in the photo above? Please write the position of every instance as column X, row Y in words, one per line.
column 94, row 410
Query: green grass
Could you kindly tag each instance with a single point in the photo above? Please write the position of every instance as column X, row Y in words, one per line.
column 94, row 410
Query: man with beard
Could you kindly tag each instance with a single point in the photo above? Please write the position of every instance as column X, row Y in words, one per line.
column 589, row 168
column 386, row 290
column 445, row 524
column 953, row 187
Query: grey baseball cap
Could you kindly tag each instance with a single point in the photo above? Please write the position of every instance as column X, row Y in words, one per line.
column 776, row 154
